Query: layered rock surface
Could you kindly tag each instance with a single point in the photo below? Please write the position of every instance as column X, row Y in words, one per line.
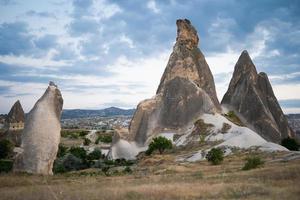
column 251, row 96
column 41, row 134
column 186, row 90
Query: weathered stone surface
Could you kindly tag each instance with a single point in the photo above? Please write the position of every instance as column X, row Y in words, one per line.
column 250, row 95
column 16, row 113
column 186, row 90
column 41, row 134
column 14, row 124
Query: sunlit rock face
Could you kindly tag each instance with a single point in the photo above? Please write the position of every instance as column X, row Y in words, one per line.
column 186, row 91
column 251, row 95
column 41, row 134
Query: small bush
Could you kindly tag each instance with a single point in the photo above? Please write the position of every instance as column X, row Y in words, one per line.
column 6, row 149
column 290, row 144
column 159, row 143
column 86, row 142
column 74, row 134
column 83, row 133
column 62, row 150
column 104, row 139
column 234, row 118
column 127, row 170
column 6, row 165
column 79, row 152
column 68, row 163
column 95, row 155
column 252, row 163
column 215, row 156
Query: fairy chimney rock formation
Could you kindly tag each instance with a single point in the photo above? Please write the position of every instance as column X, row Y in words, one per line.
column 41, row 134
column 186, row 90
column 251, row 95
column 16, row 117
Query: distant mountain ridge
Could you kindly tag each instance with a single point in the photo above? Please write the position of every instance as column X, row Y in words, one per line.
column 106, row 112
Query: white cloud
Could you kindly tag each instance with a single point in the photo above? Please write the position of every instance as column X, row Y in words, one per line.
column 127, row 40
column 102, row 9
column 132, row 81
column 27, row 61
column 291, row 110
column 283, row 77
column 287, row 91
column 152, row 6
column 27, row 93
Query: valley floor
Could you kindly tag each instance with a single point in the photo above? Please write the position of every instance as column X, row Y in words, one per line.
column 160, row 177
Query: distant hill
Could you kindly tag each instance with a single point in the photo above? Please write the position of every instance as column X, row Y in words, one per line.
column 107, row 112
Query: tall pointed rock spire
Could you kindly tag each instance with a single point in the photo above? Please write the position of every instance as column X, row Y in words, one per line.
column 252, row 97
column 186, row 91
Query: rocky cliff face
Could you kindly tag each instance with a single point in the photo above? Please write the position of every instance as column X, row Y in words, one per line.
column 41, row 134
column 250, row 95
column 186, row 91
column 16, row 113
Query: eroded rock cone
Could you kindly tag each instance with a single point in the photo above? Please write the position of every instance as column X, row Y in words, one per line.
column 16, row 114
column 41, row 134
column 186, row 90
column 251, row 95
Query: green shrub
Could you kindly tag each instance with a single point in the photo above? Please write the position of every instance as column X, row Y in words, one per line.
column 105, row 170
column 252, row 163
column 86, row 142
column 79, row 152
column 290, row 144
column 104, row 139
column 215, row 156
column 95, row 155
column 6, row 148
column 127, row 170
column 83, row 133
column 109, row 162
column 159, row 143
column 62, row 150
column 68, row 163
column 74, row 134
column 6, row 165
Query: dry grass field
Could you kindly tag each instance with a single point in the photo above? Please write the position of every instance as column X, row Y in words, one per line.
column 160, row 177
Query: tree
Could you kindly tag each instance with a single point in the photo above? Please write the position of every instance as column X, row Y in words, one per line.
column 159, row 143
column 95, row 155
column 79, row 152
column 6, row 148
column 62, row 150
column 290, row 144
column 215, row 156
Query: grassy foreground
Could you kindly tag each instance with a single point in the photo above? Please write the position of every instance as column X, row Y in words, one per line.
column 160, row 177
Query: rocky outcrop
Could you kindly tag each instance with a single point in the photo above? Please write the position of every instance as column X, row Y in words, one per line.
column 251, row 96
column 186, row 90
column 16, row 113
column 41, row 134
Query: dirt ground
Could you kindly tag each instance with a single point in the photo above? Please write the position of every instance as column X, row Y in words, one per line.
column 160, row 177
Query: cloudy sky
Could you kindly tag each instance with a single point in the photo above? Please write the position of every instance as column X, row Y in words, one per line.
column 112, row 53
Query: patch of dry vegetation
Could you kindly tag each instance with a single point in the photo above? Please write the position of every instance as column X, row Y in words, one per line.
column 231, row 116
column 160, row 177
